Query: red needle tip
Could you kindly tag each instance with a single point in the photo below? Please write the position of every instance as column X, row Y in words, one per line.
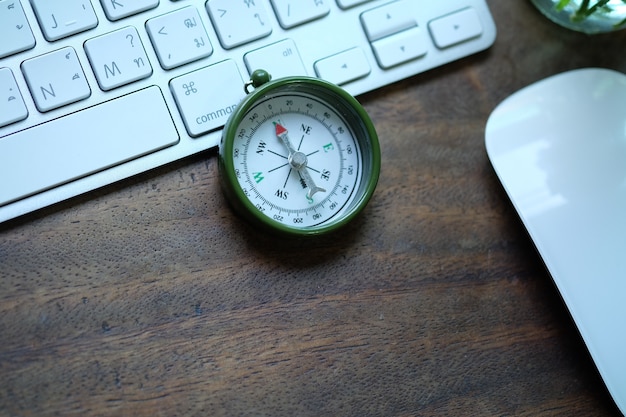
column 280, row 129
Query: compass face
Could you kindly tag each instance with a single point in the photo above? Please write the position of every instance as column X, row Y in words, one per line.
column 275, row 181
column 295, row 160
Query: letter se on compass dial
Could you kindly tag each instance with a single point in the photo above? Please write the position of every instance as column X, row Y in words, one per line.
column 299, row 156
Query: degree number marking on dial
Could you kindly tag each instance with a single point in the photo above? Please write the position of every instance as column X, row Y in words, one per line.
column 296, row 159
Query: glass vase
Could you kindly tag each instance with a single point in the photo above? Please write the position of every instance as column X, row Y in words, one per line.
column 588, row 16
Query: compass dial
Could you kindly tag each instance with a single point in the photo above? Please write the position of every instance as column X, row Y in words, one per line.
column 278, row 180
column 299, row 157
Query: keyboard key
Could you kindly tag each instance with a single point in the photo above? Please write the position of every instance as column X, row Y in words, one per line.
column 343, row 67
column 61, row 18
column 208, row 96
column 179, row 37
column 63, row 85
column 238, row 22
column 387, row 20
column 280, row 59
column 401, row 47
column 346, row 4
column 85, row 142
column 118, row 9
column 118, row 58
column 15, row 31
column 12, row 107
column 455, row 28
column 293, row 13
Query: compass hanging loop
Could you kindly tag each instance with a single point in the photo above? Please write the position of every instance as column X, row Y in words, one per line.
column 257, row 79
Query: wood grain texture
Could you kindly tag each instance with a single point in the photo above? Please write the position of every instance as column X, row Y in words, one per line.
column 152, row 298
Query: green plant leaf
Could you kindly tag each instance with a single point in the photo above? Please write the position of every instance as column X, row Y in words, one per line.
column 585, row 9
column 596, row 6
column 562, row 3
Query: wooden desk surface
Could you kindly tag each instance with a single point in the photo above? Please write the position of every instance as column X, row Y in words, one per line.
column 151, row 298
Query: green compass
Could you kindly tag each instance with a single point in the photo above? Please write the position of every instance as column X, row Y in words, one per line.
column 299, row 155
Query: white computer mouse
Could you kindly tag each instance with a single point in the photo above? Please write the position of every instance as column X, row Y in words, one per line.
column 559, row 148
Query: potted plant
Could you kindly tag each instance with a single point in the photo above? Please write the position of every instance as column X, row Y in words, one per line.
column 589, row 16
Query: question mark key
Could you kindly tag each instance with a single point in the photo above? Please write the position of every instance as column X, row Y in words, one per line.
column 118, row 58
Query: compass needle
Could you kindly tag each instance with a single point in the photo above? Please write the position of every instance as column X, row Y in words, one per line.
column 298, row 160
column 310, row 183
column 281, row 133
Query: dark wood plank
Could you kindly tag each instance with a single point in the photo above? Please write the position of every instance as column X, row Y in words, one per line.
column 152, row 298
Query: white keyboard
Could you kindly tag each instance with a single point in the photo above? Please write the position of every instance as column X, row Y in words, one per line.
column 92, row 92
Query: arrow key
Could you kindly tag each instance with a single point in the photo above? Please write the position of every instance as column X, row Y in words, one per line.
column 387, row 20
column 343, row 67
column 455, row 28
column 401, row 47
